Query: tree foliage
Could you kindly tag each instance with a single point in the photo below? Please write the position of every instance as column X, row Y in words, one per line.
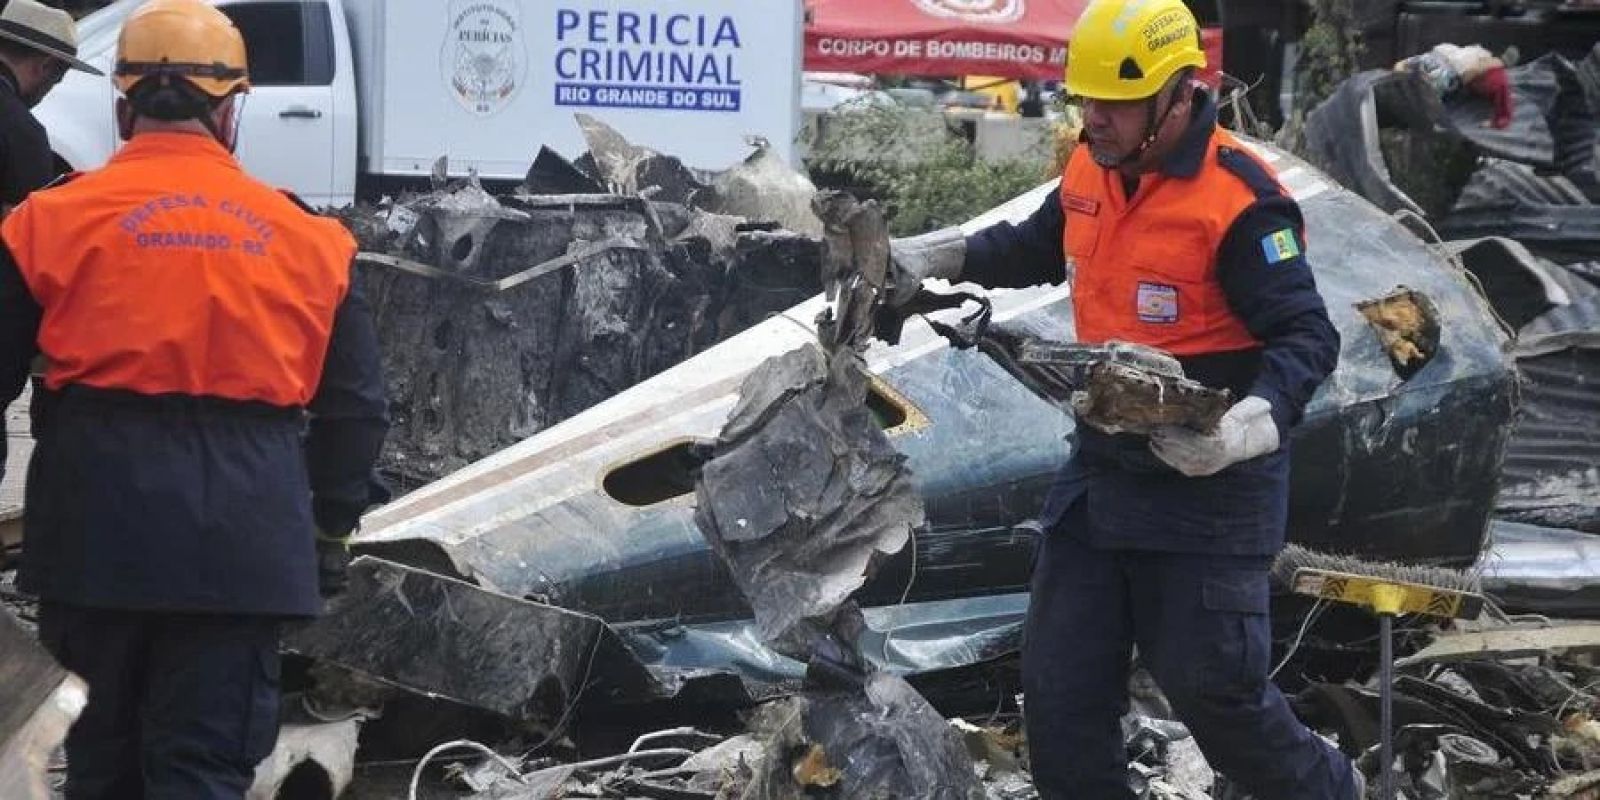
column 928, row 175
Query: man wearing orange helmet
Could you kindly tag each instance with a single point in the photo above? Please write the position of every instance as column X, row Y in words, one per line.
column 207, row 424
column 1174, row 236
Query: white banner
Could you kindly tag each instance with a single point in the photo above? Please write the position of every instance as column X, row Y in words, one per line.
column 691, row 78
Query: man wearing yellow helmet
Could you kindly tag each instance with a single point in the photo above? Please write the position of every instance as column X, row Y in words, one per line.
column 206, row 426
column 1174, row 236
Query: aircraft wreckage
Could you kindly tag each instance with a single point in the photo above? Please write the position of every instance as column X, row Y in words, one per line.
column 594, row 518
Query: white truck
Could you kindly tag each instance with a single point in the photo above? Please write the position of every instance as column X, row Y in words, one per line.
column 354, row 97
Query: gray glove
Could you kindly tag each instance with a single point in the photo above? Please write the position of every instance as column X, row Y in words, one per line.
column 1245, row 431
column 912, row 260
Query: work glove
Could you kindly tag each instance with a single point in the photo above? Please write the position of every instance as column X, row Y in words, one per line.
column 914, row 259
column 1244, row 432
column 333, row 559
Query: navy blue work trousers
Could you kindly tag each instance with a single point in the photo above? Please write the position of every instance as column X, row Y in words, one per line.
column 181, row 706
column 1201, row 626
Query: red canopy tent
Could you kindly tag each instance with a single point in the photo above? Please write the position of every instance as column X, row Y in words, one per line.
column 941, row 38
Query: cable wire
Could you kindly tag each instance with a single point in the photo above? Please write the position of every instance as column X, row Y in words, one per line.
column 1305, row 626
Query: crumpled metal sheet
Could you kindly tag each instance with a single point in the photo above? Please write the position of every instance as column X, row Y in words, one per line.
column 1548, row 213
column 471, row 372
column 1519, row 285
column 634, row 170
column 764, row 188
column 1552, row 469
column 1553, row 124
column 1342, row 135
column 1546, row 570
column 908, row 639
column 885, row 741
column 1545, row 197
column 1551, row 474
column 1535, row 87
column 804, row 497
column 1562, row 233
column 550, row 173
column 1589, row 271
column 1501, row 183
column 1555, row 129
column 441, row 637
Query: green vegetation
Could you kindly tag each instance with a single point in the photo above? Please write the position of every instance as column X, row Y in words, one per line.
column 927, row 175
column 1331, row 52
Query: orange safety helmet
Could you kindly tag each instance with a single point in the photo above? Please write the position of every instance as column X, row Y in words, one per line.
column 185, row 39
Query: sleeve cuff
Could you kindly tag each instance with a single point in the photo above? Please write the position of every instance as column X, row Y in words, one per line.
column 1284, row 413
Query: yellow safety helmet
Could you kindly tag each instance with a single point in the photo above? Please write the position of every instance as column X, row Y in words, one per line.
column 1129, row 49
column 184, row 39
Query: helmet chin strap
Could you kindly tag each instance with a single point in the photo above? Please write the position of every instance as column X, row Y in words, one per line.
column 1152, row 129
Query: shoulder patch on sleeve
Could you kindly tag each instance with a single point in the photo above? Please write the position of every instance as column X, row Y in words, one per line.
column 1250, row 171
column 1281, row 245
column 294, row 198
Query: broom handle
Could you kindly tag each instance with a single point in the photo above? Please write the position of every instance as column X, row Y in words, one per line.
column 1386, row 706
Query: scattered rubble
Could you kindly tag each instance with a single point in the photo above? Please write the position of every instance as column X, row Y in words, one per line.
column 568, row 575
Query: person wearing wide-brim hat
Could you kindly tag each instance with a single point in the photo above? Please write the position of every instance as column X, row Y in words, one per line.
column 38, row 44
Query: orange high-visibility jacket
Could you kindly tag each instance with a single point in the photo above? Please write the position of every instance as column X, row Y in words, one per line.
column 1146, row 267
column 225, row 288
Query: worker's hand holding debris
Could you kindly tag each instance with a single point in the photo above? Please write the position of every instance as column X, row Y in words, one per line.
column 912, row 260
column 333, row 562
column 1247, row 430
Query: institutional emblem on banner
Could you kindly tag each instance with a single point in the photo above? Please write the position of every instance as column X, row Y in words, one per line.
column 993, row 11
column 484, row 58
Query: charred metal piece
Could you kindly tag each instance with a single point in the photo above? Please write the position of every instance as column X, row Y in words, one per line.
column 1121, row 387
column 456, row 225
column 803, row 499
column 1116, row 387
column 552, row 174
column 856, row 270
column 440, row 637
column 883, row 741
column 765, row 188
column 634, row 170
